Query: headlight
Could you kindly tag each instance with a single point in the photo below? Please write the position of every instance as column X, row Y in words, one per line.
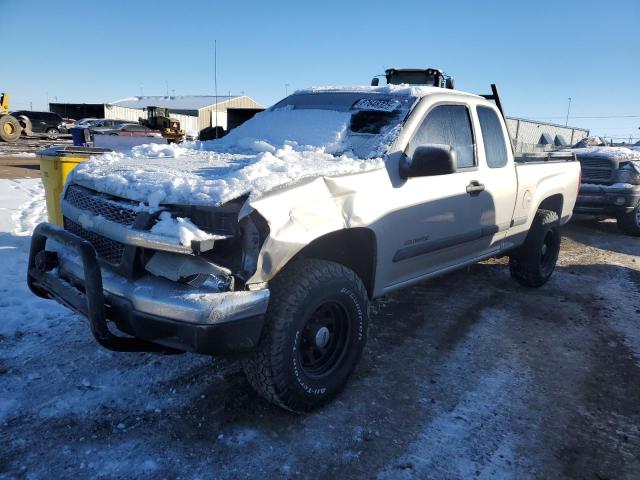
column 212, row 281
column 628, row 174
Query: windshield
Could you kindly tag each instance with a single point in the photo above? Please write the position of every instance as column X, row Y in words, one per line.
column 356, row 123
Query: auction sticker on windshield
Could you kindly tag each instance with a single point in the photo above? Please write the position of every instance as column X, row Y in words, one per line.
column 376, row 104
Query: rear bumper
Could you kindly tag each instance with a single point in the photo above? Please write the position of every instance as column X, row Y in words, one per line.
column 607, row 199
column 156, row 312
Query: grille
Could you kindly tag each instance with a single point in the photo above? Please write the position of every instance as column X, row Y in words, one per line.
column 107, row 249
column 97, row 204
column 596, row 170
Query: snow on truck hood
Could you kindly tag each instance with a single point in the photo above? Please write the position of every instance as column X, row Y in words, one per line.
column 275, row 148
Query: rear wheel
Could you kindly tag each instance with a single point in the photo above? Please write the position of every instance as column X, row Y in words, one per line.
column 53, row 133
column 315, row 332
column 533, row 263
column 10, row 128
column 629, row 222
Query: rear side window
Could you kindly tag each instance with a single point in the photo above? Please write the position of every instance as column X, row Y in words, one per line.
column 495, row 149
column 447, row 125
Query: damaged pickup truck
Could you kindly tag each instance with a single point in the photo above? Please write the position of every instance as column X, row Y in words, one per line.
column 269, row 244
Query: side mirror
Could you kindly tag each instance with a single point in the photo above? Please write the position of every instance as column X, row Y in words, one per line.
column 429, row 160
column 375, row 81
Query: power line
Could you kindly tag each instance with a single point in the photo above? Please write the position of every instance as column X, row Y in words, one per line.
column 579, row 116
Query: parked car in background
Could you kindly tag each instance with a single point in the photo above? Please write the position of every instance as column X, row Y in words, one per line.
column 610, row 185
column 103, row 124
column 84, row 122
column 40, row 122
column 128, row 130
column 67, row 125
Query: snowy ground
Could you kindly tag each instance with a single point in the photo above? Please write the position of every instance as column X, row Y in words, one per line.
column 465, row 376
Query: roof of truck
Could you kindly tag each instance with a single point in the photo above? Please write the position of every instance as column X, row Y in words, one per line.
column 404, row 89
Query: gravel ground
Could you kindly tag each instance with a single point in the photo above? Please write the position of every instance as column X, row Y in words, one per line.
column 469, row 375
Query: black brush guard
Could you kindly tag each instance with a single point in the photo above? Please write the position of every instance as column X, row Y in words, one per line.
column 89, row 303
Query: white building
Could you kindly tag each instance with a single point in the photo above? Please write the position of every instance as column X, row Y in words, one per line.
column 195, row 112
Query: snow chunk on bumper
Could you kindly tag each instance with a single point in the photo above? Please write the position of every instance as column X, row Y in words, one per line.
column 181, row 228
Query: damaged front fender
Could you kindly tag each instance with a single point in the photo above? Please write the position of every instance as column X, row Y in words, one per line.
column 298, row 216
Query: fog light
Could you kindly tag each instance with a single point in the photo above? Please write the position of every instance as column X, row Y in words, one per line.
column 620, row 200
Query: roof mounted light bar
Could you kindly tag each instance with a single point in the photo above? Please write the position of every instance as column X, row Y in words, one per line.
column 432, row 77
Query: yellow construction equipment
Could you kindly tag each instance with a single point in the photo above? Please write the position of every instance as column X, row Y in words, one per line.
column 10, row 128
column 158, row 119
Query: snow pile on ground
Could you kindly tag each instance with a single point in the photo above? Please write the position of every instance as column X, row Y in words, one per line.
column 22, row 207
column 275, row 148
column 181, row 228
column 23, row 154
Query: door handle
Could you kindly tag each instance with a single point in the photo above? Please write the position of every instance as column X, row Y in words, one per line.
column 474, row 188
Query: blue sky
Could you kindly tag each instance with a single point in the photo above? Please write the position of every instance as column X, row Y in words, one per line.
column 539, row 53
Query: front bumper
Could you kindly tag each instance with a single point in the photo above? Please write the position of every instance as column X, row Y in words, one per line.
column 156, row 312
column 607, row 199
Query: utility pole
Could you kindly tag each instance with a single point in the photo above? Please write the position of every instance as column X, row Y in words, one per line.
column 568, row 110
column 215, row 82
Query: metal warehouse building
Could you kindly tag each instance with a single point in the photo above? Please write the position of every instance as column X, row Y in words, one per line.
column 195, row 112
column 531, row 136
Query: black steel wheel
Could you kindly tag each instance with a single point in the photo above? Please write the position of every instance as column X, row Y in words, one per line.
column 324, row 338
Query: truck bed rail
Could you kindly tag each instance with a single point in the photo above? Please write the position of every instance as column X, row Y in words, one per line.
column 545, row 157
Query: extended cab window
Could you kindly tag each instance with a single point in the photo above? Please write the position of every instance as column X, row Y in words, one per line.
column 447, row 125
column 495, row 149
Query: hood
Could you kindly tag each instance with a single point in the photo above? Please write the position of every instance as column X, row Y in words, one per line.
column 272, row 150
column 210, row 178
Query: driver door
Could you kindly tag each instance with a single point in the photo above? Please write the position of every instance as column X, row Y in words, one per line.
column 441, row 222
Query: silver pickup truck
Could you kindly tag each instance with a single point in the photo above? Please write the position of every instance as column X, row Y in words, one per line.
column 283, row 240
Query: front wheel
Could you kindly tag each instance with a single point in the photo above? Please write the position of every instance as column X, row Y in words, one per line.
column 629, row 222
column 53, row 133
column 315, row 332
column 533, row 263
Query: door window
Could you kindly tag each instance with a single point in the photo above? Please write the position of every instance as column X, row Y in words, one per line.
column 495, row 149
column 447, row 125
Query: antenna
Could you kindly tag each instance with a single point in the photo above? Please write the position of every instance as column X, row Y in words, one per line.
column 215, row 82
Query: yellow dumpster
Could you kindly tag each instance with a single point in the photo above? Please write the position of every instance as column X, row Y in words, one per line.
column 55, row 165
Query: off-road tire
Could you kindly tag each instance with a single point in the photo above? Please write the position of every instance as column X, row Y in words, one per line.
column 10, row 128
column 534, row 261
column 276, row 369
column 629, row 223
